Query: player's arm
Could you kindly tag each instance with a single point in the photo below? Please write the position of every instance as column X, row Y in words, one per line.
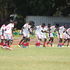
column 30, row 30
column 43, row 31
column 67, row 33
column 64, row 30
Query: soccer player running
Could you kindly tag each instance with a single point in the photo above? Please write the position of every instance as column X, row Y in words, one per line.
column 51, row 30
column 62, row 29
column 41, row 34
column 26, row 30
column 8, row 35
column 67, row 37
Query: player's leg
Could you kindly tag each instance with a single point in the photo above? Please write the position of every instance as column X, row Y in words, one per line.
column 24, row 38
column 65, row 40
column 39, row 39
column 7, row 42
column 21, row 40
column 51, row 39
column 60, row 40
column 44, row 42
column 2, row 39
column 68, row 42
column 26, row 41
column 44, row 37
column 48, row 41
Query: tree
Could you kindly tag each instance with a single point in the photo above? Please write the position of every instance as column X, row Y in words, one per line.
column 6, row 8
column 42, row 7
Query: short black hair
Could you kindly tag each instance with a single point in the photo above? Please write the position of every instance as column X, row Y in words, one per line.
column 49, row 25
column 43, row 24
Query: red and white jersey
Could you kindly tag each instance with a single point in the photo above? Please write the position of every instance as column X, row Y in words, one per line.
column 9, row 28
column 26, row 28
column 40, row 29
column 61, row 29
column 52, row 29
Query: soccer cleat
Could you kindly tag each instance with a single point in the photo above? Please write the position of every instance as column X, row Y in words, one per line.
column 37, row 44
column 47, row 43
column 58, row 46
column 4, row 46
column 24, row 47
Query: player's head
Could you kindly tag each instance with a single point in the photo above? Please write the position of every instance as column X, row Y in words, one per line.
column 32, row 24
column 57, row 25
column 49, row 25
column 64, row 25
column 43, row 24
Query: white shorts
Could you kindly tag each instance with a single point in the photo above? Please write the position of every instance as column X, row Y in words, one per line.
column 8, row 36
column 51, row 35
column 26, row 35
column 60, row 36
column 40, row 36
column 43, row 35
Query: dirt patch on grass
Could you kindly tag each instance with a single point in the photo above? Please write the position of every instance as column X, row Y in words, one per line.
column 32, row 40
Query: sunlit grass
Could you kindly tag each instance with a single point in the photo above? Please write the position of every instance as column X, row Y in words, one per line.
column 33, row 58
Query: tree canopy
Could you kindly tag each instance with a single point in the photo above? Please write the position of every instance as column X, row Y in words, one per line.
column 34, row 8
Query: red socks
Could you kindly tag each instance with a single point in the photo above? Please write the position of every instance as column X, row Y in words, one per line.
column 19, row 42
column 26, row 44
column 38, row 43
column 67, row 44
column 47, row 43
column 51, row 45
column 44, row 44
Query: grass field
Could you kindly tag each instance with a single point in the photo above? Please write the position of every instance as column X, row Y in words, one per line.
column 35, row 59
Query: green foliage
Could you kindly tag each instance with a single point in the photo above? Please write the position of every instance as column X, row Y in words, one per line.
column 16, row 33
column 40, row 7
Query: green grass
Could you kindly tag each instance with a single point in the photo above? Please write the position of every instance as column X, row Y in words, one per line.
column 35, row 59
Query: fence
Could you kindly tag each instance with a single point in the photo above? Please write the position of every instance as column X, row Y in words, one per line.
column 52, row 20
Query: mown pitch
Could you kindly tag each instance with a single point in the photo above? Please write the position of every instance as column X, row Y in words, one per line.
column 35, row 58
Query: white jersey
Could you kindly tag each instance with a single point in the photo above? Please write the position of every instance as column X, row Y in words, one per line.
column 39, row 32
column 38, row 29
column 52, row 29
column 26, row 28
column 61, row 29
column 9, row 28
column 43, row 29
